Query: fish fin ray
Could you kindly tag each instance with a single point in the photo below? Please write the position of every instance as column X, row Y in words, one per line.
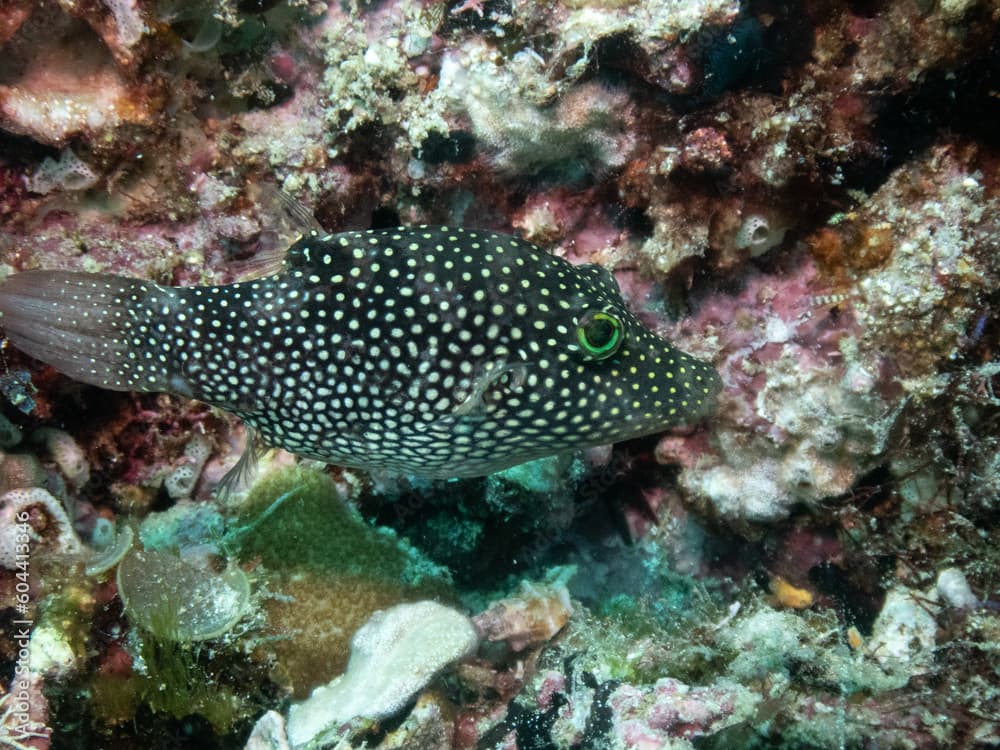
column 245, row 469
column 293, row 222
column 74, row 322
column 474, row 405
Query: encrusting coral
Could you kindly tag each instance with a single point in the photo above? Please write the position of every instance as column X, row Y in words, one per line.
column 816, row 388
column 393, row 655
column 327, row 573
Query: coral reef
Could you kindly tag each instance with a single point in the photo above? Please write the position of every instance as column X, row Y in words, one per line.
column 328, row 573
column 816, row 389
column 805, row 194
column 71, row 71
column 532, row 617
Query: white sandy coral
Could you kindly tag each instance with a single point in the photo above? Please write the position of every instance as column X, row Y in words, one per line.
column 903, row 636
column 767, row 644
column 393, row 656
column 268, row 733
column 580, row 24
column 826, row 426
column 529, row 121
column 366, row 71
column 953, row 587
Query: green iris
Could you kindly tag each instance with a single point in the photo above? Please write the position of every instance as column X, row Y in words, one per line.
column 599, row 334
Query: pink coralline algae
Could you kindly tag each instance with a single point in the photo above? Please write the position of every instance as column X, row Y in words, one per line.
column 796, row 423
column 818, row 368
column 645, row 719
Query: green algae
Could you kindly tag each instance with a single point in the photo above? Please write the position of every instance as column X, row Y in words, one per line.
column 176, row 680
column 178, row 684
column 449, row 539
column 312, row 528
column 181, row 526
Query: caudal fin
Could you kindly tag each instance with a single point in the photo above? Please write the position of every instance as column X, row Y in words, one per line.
column 82, row 324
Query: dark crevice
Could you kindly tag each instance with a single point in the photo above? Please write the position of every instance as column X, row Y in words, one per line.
column 911, row 122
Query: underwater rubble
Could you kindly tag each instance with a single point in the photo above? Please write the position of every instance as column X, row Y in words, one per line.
column 804, row 194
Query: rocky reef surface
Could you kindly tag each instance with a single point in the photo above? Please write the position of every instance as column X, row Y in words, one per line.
column 805, row 194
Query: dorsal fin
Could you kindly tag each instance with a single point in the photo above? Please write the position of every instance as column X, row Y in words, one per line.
column 295, row 213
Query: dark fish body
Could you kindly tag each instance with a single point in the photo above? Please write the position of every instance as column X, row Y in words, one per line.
column 441, row 352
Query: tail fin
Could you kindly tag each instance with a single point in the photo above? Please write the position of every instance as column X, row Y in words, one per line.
column 82, row 324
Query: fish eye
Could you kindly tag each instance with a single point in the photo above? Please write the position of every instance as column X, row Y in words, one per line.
column 599, row 334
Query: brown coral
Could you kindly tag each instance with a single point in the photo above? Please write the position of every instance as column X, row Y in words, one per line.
column 843, row 250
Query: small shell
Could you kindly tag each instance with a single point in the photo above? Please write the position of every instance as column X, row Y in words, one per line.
column 953, row 587
column 532, row 617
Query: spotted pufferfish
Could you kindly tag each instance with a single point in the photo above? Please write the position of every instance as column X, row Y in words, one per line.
column 440, row 352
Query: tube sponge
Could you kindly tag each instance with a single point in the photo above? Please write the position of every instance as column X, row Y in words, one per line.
column 68, row 173
column 758, row 234
column 180, row 482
